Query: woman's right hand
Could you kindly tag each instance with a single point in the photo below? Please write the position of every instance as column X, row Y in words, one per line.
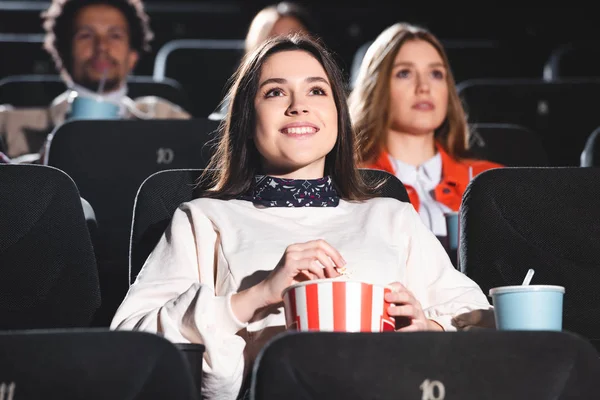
column 316, row 259
column 311, row 260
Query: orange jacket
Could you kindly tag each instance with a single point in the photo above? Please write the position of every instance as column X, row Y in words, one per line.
column 455, row 177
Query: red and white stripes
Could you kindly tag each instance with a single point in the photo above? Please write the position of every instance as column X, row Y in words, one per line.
column 340, row 306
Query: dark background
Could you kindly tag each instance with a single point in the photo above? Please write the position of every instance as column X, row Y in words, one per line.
column 538, row 29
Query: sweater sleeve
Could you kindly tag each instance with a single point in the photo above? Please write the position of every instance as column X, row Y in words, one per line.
column 174, row 296
column 443, row 291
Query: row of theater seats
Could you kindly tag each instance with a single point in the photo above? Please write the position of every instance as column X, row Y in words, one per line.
column 495, row 58
column 512, row 219
column 99, row 365
column 98, row 156
column 203, row 66
column 505, row 229
column 561, row 115
column 109, row 160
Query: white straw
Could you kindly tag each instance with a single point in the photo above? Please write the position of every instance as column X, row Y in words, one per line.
column 528, row 277
column 470, row 173
column 102, row 81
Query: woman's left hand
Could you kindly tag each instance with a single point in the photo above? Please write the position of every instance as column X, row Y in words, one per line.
column 404, row 304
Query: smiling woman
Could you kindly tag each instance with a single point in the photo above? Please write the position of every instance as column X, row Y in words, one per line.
column 281, row 83
column 287, row 204
column 296, row 116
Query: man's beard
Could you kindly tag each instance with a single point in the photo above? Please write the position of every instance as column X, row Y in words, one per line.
column 110, row 84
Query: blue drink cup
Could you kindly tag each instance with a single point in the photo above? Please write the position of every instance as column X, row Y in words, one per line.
column 84, row 107
column 452, row 230
column 528, row 308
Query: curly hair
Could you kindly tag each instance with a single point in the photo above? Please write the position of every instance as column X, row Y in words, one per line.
column 58, row 24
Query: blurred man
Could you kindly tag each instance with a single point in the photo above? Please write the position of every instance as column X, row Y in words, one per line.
column 95, row 45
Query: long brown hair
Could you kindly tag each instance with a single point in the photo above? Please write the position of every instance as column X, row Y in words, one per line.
column 370, row 100
column 236, row 160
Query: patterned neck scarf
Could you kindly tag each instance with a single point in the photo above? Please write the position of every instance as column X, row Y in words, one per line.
column 268, row 191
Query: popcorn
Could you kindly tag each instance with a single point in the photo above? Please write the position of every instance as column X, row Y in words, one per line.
column 342, row 270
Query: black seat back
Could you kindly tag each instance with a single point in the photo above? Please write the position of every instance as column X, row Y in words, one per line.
column 474, row 365
column 24, row 53
column 573, row 60
column 92, row 364
column 507, row 144
column 48, row 275
column 26, row 91
column 513, row 219
column 561, row 113
column 590, row 156
column 109, row 160
column 202, row 66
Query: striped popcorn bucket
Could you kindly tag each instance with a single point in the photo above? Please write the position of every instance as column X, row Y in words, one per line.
column 337, row 306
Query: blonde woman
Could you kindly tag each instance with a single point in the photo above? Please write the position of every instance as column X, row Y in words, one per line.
column 410, row 122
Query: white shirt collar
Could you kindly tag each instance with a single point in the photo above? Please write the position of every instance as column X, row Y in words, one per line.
column 429, row 173
column 424, row 179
